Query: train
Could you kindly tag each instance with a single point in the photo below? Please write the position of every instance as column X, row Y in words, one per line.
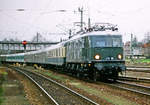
column 96, row 53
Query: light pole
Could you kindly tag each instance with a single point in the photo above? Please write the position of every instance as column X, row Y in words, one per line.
column 81, row 11
column 131, row 48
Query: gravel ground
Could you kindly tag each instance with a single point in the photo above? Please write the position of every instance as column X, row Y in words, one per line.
column 25, row 93
column 13, row 92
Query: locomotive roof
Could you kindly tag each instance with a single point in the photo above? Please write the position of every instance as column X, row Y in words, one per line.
column 94, row 33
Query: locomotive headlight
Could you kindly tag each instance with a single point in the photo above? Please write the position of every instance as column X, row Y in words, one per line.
column 119, row 56
column 97, row 57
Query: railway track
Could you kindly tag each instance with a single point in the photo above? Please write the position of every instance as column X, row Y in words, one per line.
column 139, row 69
column 134, row 79
column 139, row 89
column 138, row 66
column 58, row 93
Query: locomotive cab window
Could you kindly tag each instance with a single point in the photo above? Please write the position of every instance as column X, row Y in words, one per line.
column 100, row 43
column 105, row 41
column 116, row 42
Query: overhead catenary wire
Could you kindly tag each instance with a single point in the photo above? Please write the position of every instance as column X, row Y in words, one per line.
column 29, row 26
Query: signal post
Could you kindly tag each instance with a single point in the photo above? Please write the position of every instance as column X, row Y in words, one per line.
column 24, row 43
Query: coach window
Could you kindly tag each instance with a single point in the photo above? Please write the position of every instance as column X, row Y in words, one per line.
column 52, row 53
column 61, row 52
column 57, row 52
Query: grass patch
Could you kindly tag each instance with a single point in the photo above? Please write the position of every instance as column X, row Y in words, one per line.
column 53, row 76
column 1, row 94
column 2, row 78
column 116, row 100
column 139, row 60
column 3, row 75
column 144, row 60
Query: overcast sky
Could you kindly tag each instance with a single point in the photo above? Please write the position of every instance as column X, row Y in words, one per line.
column 131, row 16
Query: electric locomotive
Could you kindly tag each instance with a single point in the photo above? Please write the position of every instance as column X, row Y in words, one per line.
column 96, row 54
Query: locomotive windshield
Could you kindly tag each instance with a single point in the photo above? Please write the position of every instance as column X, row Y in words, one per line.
column 106, row 41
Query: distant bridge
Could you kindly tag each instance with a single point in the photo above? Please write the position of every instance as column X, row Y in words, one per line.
column 7, row 47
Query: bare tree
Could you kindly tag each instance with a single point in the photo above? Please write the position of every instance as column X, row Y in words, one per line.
column 146, row 43
column 147, row 37
column 134, row 42
column 38, row 38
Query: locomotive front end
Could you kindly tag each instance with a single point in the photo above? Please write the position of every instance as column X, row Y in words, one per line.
column 106, row 55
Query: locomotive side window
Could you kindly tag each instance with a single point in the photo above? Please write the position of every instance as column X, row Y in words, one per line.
column 82, row 43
